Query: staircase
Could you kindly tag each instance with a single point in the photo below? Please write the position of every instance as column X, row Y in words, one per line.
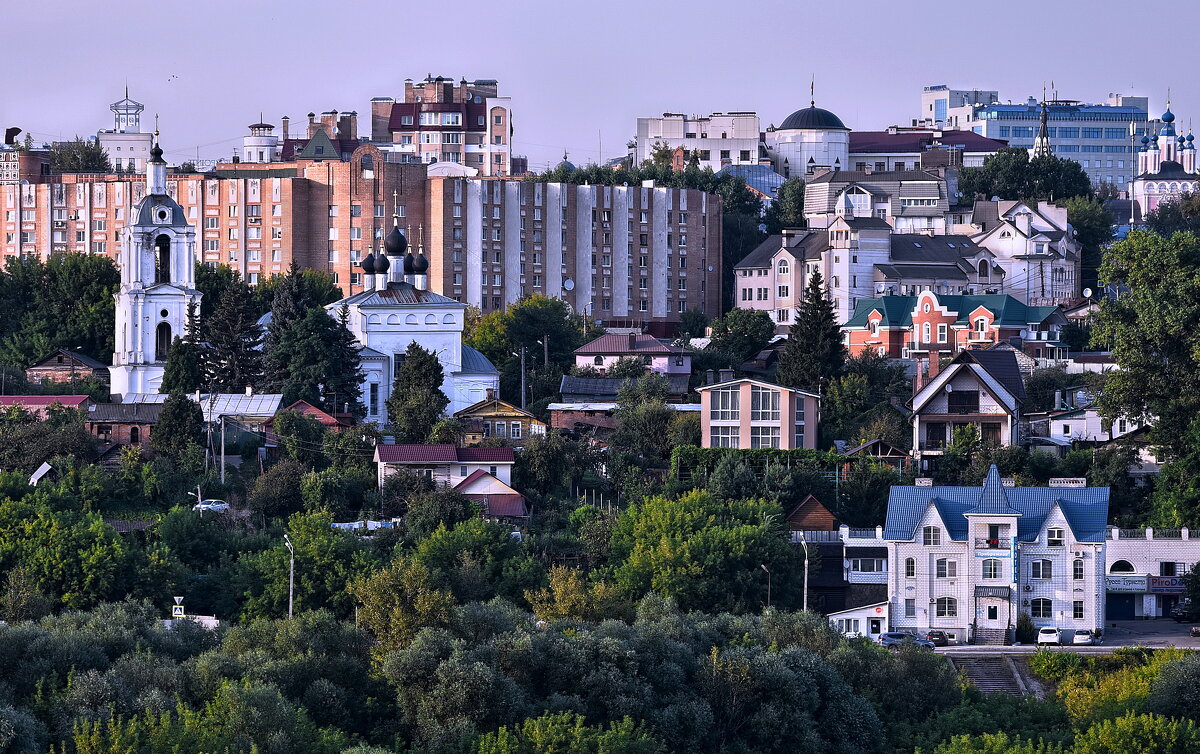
column 991, row 675
column 996, row 637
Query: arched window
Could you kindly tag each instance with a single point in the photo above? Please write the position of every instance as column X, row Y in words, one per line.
column 368, row 163
column 946, row 568
column 1041, row 569
column 910, row 568
column 783, row 267
column 981, row 324
column 1121, row 566
column 430, row 319
column 135, row 435
column 410, row 319
column 162, row 259
column 931, row 536
column 448, row 319
column 985, row 269
column 1077, row 570
column 991, row 568
column 373, row 319
column 926, row 332
column 947, row 607
column 393, row 319
column 598, row 361
column 1041, row 608
column 162, row 341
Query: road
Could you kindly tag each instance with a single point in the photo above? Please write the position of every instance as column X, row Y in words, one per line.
column 1131, row 633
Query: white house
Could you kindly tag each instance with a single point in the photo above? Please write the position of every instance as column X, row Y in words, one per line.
column 448, row 465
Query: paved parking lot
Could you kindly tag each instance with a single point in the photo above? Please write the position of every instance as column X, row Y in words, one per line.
column 1162, row 632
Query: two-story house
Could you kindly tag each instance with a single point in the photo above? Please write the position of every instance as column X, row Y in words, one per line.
column 481, row 474
column 494, row 418
column 1034, row 247
column 970, row 560
column 746, row 413
column 979, row 388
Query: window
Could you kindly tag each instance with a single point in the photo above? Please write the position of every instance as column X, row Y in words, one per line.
column 724, row 437
column 515, row 431
column 869, row 565
column 212, row 223
column 942, row 332
column 926, row 332
column 725, row 404
column 1170, row 569
column 1041, row 569
column 1077, row 570
column 910, row 568
column 764, row 437
column 946, row 568
column 1055, row 538
column 963, row 402
column 932, row 536
column 991, row 568
column 910, row 608
column 373, row 405
column 1041, row 608
column 783, row 267
column 1077, row 609
column 764, row 404
column 1121, row 566
column 947, row 607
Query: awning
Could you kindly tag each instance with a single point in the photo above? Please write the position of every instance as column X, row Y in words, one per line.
column 1002, row 592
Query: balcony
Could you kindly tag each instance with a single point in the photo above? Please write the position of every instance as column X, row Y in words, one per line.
column 991, row 544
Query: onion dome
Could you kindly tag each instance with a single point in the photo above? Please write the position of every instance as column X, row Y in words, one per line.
column 1145, row 140
column 420, row 264
column 395, row 243
column 156, row 153
column 1168, row 116
column 813, row 118
column 382, row 263
column 408, row 264
column 368, row 264
column 1189, row 144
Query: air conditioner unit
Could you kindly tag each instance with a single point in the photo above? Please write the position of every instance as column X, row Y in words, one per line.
column 60, row 223
column 1080, row 553
column 254, row 220
column 1029, row 587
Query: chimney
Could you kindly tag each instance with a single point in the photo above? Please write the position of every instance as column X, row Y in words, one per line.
column 249, row 390
column 285, row 121
column 710, row 377
column 726, row 374
column 491, row 394
column 935, row 365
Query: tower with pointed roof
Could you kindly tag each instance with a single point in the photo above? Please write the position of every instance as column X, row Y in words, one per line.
column 158, row 283
column 127, row 146
column 1166, row 167
column 1041, row 144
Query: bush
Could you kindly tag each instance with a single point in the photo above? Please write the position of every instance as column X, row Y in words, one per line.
column 1026, row 631
column 1054, row 666
column 1144, row 734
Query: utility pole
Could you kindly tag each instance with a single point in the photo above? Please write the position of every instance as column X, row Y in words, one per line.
column 222, row 449
column 545, row 350
column 291, row 572
column 522, row 377
column 768, row 570
column 804, row 543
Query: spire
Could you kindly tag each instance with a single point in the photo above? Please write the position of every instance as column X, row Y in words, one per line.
column 993, row 500
column 812, row 91
column 156, row 166
column 395, row 208
column 1041, row 145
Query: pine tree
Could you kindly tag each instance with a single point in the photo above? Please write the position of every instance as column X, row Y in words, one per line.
column 318, row 358
column 184, row 371
column 417, row 400
column 180, row 424
column 814, row 353
column 295, row 296
column 232, row 359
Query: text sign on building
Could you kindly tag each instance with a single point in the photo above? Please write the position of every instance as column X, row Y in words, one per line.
column 1132, row 584
column 1008, row 482
column 1165, row 584
column 1077, row 482
column 923, row 481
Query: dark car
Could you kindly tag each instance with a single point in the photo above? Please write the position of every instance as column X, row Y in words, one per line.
column 1182, row 612
column 938, row 638
column 893, row 640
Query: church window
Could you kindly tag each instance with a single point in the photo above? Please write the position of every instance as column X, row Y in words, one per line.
column 373, row 405
column 162, row 259
column 162, row 341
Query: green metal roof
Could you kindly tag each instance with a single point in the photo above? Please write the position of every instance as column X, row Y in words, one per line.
column 897, row 310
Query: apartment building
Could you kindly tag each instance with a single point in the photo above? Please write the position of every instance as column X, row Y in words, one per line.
column 718, row 139
column 440, row 120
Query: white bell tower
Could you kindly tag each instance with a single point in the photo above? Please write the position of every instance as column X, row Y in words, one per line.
column 158, row 282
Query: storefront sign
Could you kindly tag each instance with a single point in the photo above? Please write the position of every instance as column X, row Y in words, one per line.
column 1165, row 584
column 923, row 481
column 1128, row 584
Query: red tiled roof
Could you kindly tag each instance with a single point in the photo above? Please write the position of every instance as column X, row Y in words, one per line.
column 615, row 343
column 69, row 401
column 447, row 454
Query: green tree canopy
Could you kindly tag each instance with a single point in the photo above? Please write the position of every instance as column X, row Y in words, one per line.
column 814, row 353
column 1174, row 216
column 79, row 155
column 232, row 357
column 741, row 334
column 180, row 424
column 787, row 210
column 1093, row 225
column 318, row 363
column 1011, row 174
column 417, row 401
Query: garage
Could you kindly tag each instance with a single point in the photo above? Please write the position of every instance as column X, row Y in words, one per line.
column 1119, row 606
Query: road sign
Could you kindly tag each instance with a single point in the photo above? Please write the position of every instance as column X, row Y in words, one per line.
column 178, row 600
column 177, row 611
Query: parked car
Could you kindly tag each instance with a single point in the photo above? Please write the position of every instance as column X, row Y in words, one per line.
column 1083, row 636
column 893, row 640
column 1182, row 611
column 938, row 638
column 1049, row 635
column 217, row 506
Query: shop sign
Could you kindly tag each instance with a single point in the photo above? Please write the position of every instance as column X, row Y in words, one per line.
column 1166, row 584
column 1131, row 584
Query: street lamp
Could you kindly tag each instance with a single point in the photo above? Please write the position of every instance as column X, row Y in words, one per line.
column 291, row 571
column 768, row 570
column 804, row 544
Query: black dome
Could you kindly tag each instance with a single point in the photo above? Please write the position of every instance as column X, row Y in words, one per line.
column 156, row 153
column 395, row 243
column 813, row 117
column 420, row 264
column 408, row 264
column 382, row 263
column 368, row 264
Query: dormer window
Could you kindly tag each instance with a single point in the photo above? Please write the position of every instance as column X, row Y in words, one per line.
column 931, row 536
column 1055, row 538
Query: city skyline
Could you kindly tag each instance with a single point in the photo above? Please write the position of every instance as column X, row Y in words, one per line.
column 588, row 100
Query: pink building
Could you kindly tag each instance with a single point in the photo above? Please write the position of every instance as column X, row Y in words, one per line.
column 606, row 350
column 747, row 413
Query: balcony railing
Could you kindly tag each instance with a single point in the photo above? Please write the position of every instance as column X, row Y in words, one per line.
column 991, row 544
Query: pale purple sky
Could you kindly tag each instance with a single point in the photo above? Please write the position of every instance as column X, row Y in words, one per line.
column 578, row 72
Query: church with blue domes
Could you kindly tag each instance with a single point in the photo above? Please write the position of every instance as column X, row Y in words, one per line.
column 1166, row 167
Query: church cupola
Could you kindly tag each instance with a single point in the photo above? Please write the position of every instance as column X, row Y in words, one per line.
column 156, row 169
column 368, row 268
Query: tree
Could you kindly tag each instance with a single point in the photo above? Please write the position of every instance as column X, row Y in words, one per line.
column 301, row 438
column 233, row 359
column 787, row 210
column 741, row 334
column 693, row 323
column 1172, row 217
column 1093, row 225
column 570, row 596
column 628, row 367
column 814, row 353
column 79, row 156
column 291, row 299
column 428, row 511
column 644, row 421
column 184, row 371
column 1011, row 174
column 567, row 733
column 554, row 463
column 314, row 361
column 1153, row 331
column 277, row 492
column 1146, row 734
column 180, row 425
column 398, row 601
column 417, row 400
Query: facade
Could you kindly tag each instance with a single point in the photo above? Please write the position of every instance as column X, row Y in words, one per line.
column 939, row 99
column 127, row 146
column 494, row 418
column 747, row 413
column 970, row 560
column 603, row 352
column 65, row 366
column 718, row 140
column 1166, row 167
column 440, row 120
column 123, row 423
column 929, row 324
column 980, row 388
column 908, row 201
column 497, row 501
column 1144, row 570
column 447, row 465
column 18, row 165
column 158, row 284
column 1036, row 256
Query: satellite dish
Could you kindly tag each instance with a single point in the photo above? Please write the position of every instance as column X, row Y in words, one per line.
column 879, row 287
column 949, row 388
column 1087, row 292
column 568, row 284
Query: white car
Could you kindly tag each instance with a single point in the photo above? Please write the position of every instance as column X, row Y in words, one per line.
column 1083, row 636
column 218, row 506
column 1049, row 635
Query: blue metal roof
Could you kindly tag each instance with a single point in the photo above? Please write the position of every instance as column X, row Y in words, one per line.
column 993, row 501
column 1086, row 510
column 474, row 362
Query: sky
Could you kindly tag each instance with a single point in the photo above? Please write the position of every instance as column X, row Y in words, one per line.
column 579, row 73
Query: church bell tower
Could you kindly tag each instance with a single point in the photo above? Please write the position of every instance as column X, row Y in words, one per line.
column 158, row 283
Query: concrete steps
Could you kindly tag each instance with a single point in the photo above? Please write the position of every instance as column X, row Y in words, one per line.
column 996, row 637
column 991, row 675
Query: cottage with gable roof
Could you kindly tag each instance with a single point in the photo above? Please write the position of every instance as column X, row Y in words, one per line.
column 970, row 560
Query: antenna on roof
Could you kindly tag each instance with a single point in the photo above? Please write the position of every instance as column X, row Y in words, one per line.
column 812, row 91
